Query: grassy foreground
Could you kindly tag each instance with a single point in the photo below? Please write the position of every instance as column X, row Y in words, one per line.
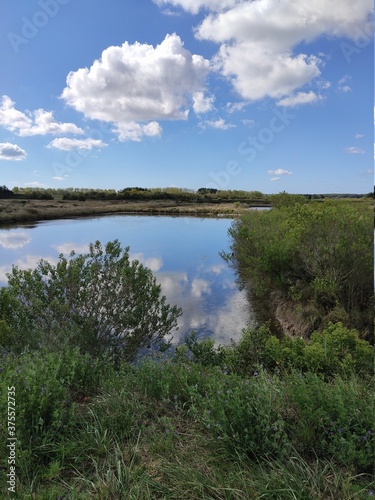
column 191, row 426
column 12, row 211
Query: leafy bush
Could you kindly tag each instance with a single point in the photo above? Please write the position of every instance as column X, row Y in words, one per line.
column 336, row 350
column 48, row 386
column 332, row 420
column 316, row 255
column 101, row 302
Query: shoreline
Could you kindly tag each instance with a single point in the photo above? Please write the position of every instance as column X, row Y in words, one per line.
column 23, row 210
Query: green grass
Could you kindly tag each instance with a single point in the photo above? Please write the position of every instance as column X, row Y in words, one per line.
column 177, row 429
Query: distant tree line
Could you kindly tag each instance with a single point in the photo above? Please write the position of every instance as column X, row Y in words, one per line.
column 5, row 192
column 202, row 195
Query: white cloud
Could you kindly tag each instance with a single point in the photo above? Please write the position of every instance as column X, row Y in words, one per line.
column 273, row 179
column 171, row 13
column 256, row 74
column 199, row 287
column 233, row 107
column 35, row 184
column 219, row 124
column 216, row 269
column 60, row 179
column 153, row 263
column 67, row 144
column 342, row 84
column 134, row 84
column 66, row 248
column 133, row 131
column 11, row 152
column 26, row 262
column 194, row 6
column 324, row 85
column 354, row 150
column 248, row 123
column 202, row 103
column 359, row 136
column 38, row 122
column 258, row 40
column 279, row 171
column 14, row 239
column 300, row 98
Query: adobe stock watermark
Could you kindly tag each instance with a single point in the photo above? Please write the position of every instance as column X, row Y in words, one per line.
column 251, row 147
column 32, row 25
column 74, row 158
column 362, row 38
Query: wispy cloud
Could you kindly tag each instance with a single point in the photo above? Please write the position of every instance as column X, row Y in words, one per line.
column 219, row 124
column 354, row 150
column 279, row 171
column 299, row 99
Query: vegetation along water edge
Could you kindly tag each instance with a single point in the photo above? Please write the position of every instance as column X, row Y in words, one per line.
column 288, row 417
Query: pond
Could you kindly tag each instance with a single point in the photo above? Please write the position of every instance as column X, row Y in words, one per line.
column 183, row 254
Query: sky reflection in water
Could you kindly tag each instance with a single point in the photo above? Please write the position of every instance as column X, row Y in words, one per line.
column 183, row 253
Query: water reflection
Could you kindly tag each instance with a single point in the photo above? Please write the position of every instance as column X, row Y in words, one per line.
column 184, row 256
column 14, row 239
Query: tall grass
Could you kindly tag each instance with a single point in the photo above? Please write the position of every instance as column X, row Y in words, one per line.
column 177, row 429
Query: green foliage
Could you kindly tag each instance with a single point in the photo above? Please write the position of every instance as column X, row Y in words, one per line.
column 336, row 350
column 319, row 255
column 101, row 302
column 285, row 199
column 48, row 387
column 333, row 419
column 176, row 425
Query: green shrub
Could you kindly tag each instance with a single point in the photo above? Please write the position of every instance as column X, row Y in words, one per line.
column 336, row 350
column 101, row 302
column 332, row 420
column 48, row 387
column 320, row 256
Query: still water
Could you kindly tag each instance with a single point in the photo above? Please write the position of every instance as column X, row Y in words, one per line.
column 183, row 254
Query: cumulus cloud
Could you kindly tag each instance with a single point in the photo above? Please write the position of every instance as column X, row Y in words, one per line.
column 199, row 287
column 67, row 144
column 133, row 131
column 134, row 85
column 279, row 171
column 153, row 263
column 38, row 122
column 14, row 239
column 219, row 124
column 300, row 98
column 354, row 150
column 11, row 152
column 24, row 263
column 202, row 103
column 258, row 40
column 67, row 248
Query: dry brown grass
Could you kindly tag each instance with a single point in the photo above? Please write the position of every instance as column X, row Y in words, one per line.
column 12, row 211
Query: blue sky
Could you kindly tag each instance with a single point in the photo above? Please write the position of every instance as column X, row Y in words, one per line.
column 266, row 95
